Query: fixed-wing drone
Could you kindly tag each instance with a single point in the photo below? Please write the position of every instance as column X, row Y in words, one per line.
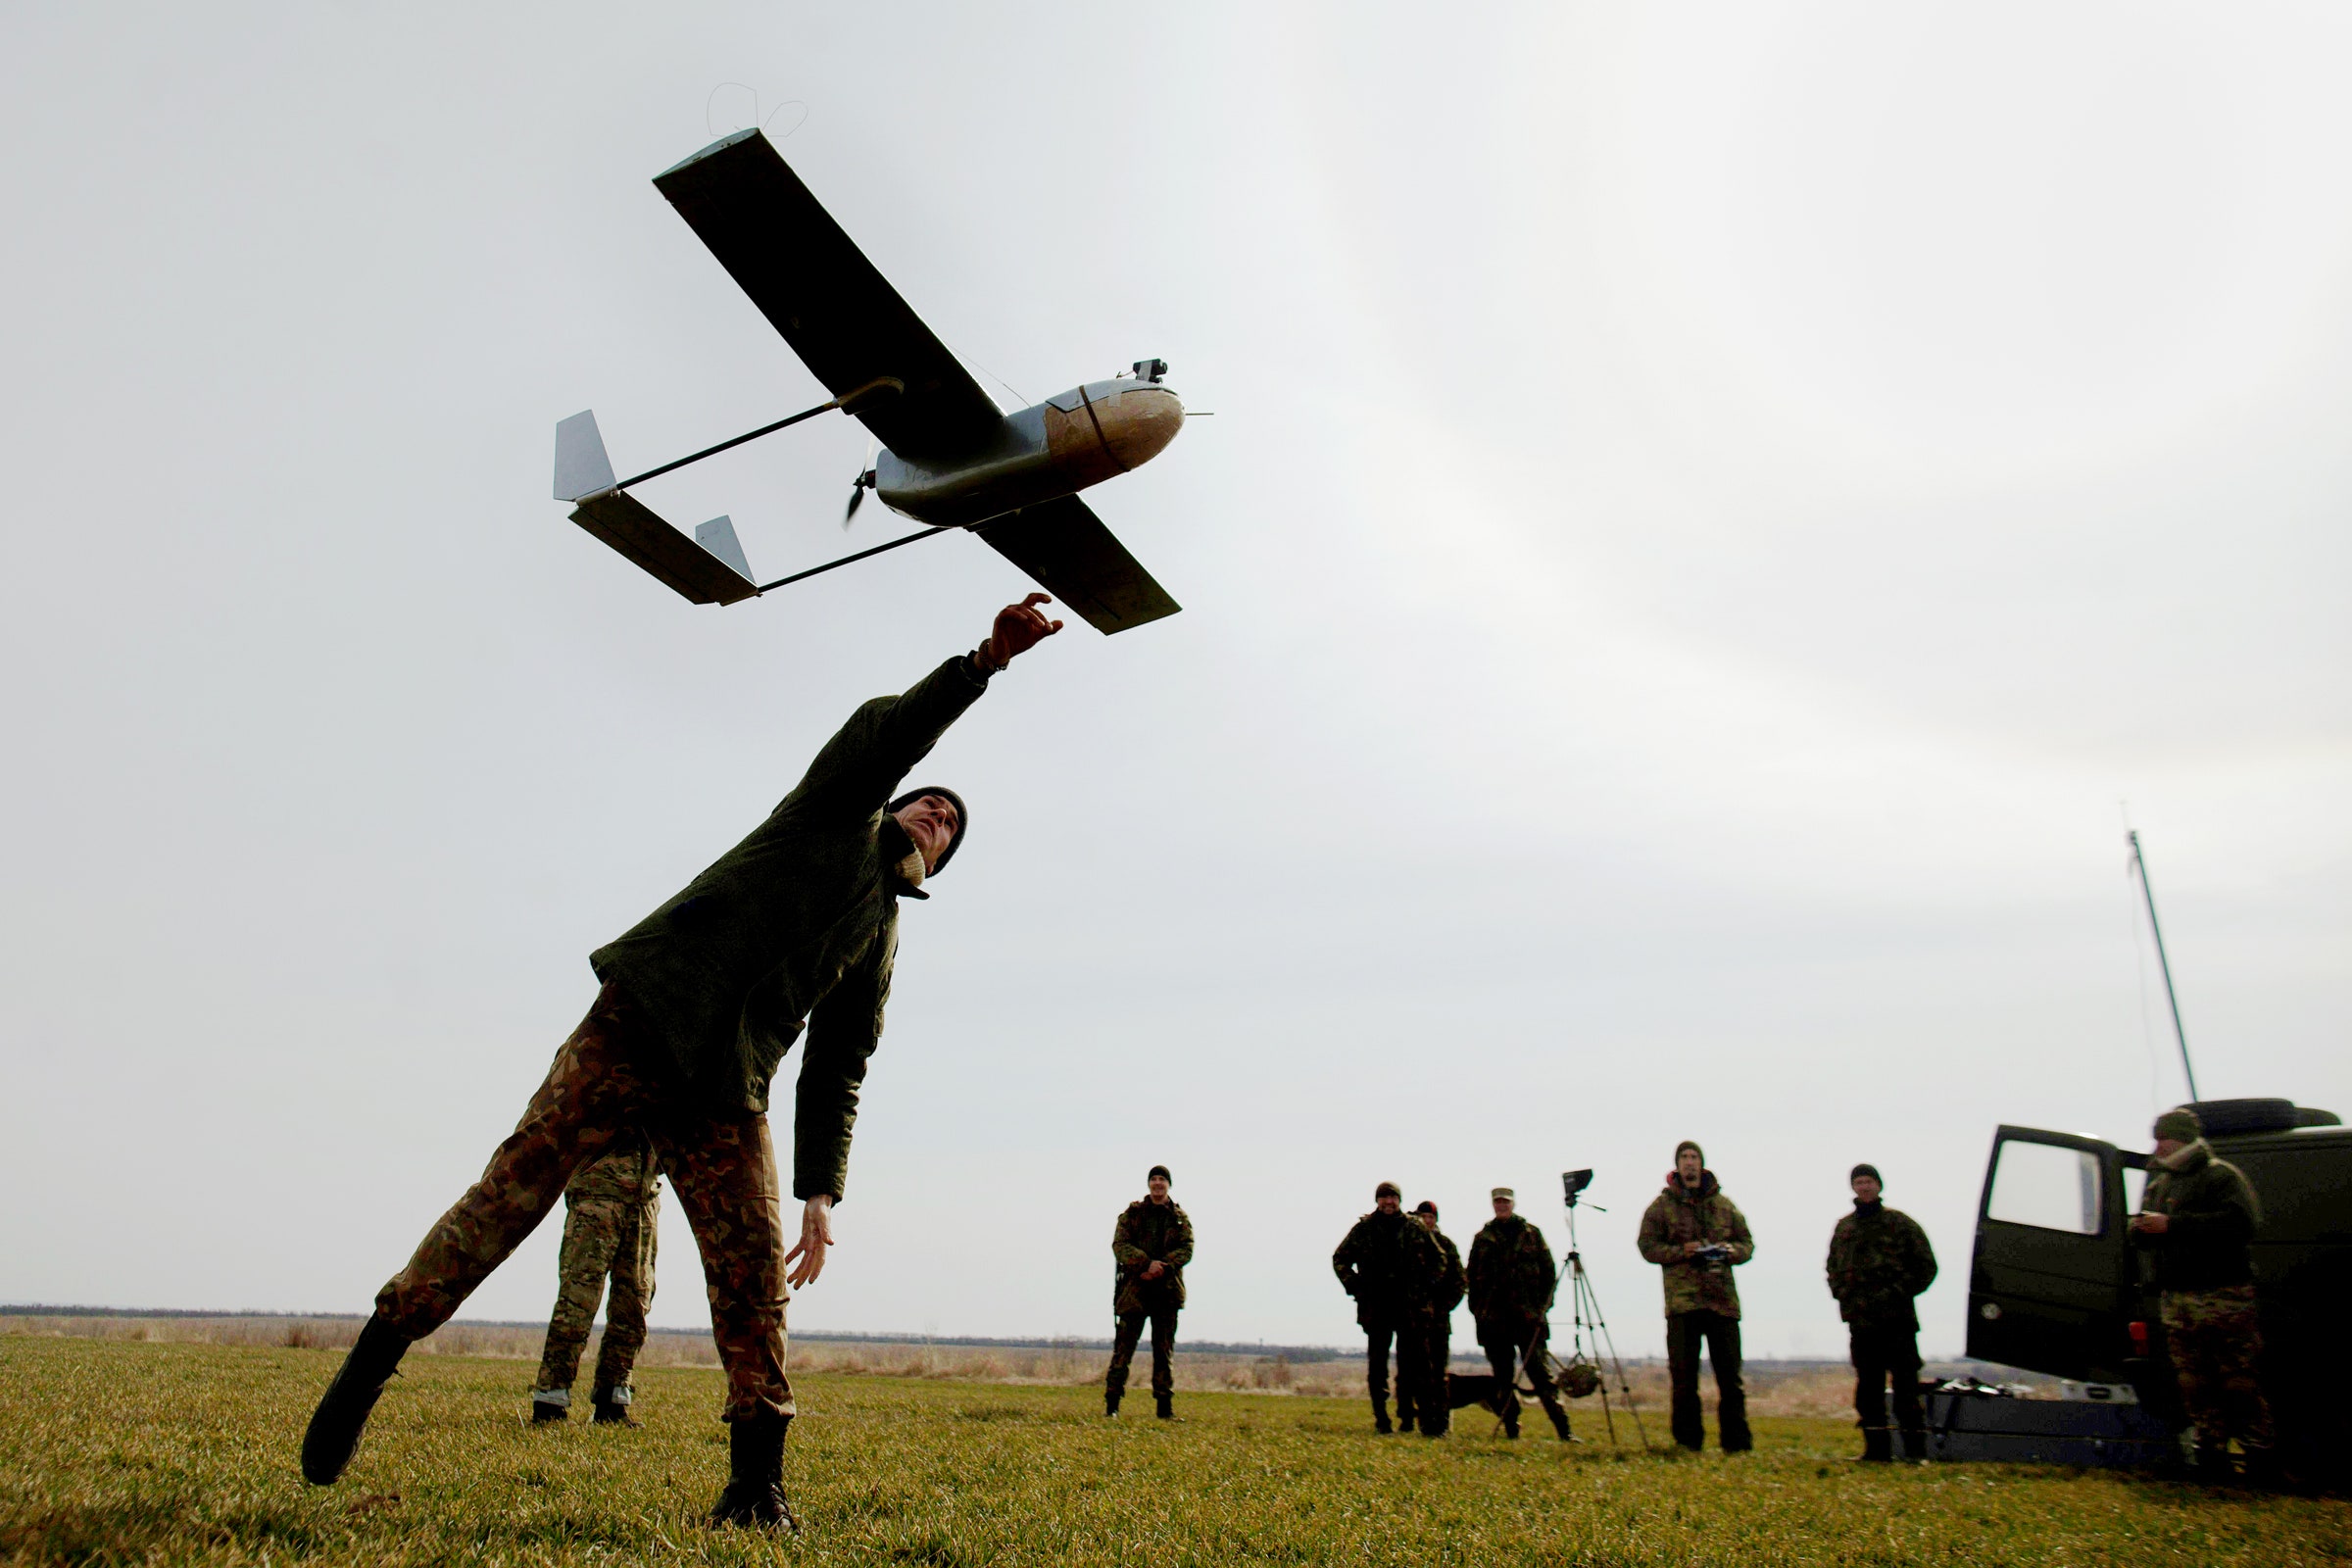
column 950, row 458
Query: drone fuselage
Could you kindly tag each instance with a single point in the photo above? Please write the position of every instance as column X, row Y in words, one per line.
column 1058, row 448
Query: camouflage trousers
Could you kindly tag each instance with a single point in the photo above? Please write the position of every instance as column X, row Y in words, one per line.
column 723, row 1169
column 602, row 1236
column 2216, row 1340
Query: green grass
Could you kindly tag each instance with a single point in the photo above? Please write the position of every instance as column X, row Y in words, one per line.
column 178, row 1454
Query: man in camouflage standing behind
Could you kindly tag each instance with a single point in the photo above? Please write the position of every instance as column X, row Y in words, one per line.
column 1512, row 1278
column 1878, row 1260
column 1150, row 1243
column 1697, row 1236
column 1436, row 1408
column 2198, row 1218
column 612, row 1208
column 1390, row 1265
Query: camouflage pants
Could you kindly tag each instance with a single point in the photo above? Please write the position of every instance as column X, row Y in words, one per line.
column 602, row 1236
column 2215, row 1340
column 1163, row 1351
column 1409, row 1330
column 723, row 1169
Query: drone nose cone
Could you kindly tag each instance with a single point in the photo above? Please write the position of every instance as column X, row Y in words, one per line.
column 1109, row 427
column 1139, row 423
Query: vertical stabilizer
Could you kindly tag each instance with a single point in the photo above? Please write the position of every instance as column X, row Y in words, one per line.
column 582, row 466
column 719, row 537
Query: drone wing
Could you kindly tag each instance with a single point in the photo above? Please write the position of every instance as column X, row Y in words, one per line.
column 817, row 289
column 1073, row 557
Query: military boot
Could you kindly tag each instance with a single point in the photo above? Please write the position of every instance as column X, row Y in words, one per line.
column 544, row 1412
column 1405, row 1420
column 755, row 1492
column 1915, row 1445
column 1164, row 1406
column 1877, row 1446
column 612, row 1407
column 1380, row 1415
column 1560, row 1423
column 342, row 1414
column 1110, row 1401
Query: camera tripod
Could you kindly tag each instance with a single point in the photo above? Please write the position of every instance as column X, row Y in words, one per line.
column 1584, row 1307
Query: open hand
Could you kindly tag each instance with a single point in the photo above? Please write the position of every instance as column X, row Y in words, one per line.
column 1019, row 628
column 816, row 1234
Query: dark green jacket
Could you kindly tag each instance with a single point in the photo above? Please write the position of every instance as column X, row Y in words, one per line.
column 1150, row 1233
column 1450, row 1284
column 1681, row 1214
column 797, row 926
column 2211, row 1213
column 1390, row 1265
column 1878, row 1260
column 1511, row 1277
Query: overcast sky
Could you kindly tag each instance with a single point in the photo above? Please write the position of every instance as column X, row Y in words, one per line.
column 1708, row 518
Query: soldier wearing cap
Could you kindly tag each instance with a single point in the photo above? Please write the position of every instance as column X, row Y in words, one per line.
column 793, row 930
column 1436, row 1409
column 1511, row 1278
column 2198, row 1218
column 1879, row 1260
column 1150, row 1244
column 1390, row 1264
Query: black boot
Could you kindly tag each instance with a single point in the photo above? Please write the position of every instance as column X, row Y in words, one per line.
column 546, row 1411
column 613, row 1412
column 1404, row 1419
column 1380, row 1414
column 1111, row 1399
column 1877, row 1447
column 1560, row 1423
column 1164, row 1406
column 755, row 1493
column 1915, row 1445
column 335, row 1426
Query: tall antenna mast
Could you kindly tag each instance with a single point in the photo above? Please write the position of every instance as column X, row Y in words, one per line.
column 2140, row 865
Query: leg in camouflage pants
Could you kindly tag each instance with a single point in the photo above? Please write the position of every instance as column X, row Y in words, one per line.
column 2216, row 1340
column 1163, row 1351
column 601, row 1236
column 722, row 1167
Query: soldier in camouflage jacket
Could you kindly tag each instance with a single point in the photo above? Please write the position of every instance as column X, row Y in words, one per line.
column 1150, row 1244
column 1511, row 1278
column 1878, row 1260
column 613, row 1205
column 1697, row 1234
column 1436, row 1407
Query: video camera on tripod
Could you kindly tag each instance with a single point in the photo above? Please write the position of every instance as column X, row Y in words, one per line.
column 1592, row 1350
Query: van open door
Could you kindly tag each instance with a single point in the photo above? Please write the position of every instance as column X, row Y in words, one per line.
column 2053, row 1287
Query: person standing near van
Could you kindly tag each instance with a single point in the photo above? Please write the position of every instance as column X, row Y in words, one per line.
column 1878, row 1260
column 2198, row 1219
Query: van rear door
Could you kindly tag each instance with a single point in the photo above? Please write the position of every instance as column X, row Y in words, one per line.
column 2053, row 1282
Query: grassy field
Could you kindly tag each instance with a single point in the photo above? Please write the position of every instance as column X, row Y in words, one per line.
column 127, row 1452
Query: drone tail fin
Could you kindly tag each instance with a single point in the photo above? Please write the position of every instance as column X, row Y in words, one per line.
column 582, row 466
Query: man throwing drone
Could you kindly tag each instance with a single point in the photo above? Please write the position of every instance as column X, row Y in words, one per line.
column 793, row 930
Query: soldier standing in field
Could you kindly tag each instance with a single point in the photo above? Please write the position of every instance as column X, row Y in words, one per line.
column 1879, row 1260
column 612, row 1208
column 1150, row 1243
column 1697, row 1236
column 795, row 928
column 1511, row 1278
column 1436, row 1409
column 1390, row 1266
column 2198, row 1219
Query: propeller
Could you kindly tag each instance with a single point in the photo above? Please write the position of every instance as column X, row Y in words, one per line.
column 858, row 490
